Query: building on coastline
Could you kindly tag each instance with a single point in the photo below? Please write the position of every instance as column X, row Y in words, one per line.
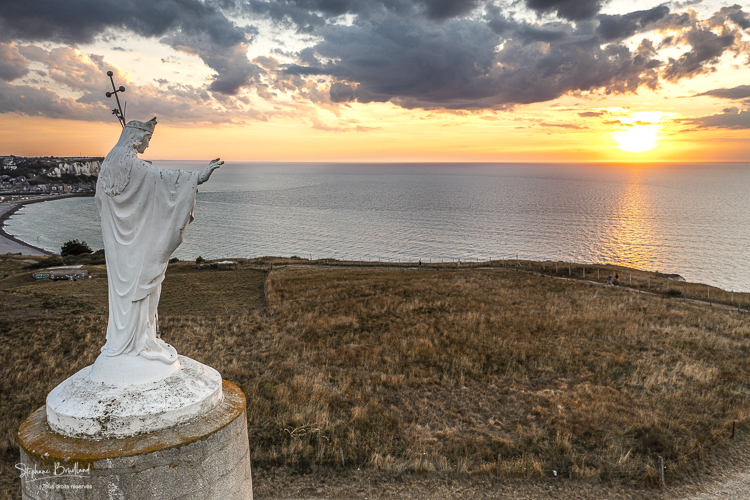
column 48, row 175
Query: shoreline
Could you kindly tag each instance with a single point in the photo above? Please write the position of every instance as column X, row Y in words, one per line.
column 12, row 207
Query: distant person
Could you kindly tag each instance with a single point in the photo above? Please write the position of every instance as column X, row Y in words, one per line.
column 459, row 263
column 420, row 264
column 617, row 280
column 609, row 279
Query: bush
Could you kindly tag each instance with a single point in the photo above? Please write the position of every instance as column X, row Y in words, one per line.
column 94, row 259
column 74, row 247
column 47, row 262
column 173, row 260
column 200, row 260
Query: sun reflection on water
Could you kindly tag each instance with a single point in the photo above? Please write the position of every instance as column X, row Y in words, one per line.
column 633, row 237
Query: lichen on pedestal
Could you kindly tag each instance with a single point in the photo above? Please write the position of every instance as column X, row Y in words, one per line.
column 82, row 406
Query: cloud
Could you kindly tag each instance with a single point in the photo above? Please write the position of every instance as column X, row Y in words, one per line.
column 591, row 114
column 13, row 65
column 309, row 15
column 33, row 101
column 193, row 26
column 457, row 65
column 80, row 21
column 563, row 125
column 233, row 69
column 573, row 10
column 730, row 118
column 84, row 74
column 431, row 54
column 739, row 92
column 362, row 128
column 624, row 26
column 732, row 13
column 73, row 69
column 706, row 48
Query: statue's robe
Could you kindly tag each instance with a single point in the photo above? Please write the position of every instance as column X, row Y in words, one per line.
column 142, row 224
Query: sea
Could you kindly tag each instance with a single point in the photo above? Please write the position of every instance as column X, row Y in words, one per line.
column 688, row 219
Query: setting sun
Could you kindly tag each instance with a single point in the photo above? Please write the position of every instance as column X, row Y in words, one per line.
column 639, row 132
column 637, row 139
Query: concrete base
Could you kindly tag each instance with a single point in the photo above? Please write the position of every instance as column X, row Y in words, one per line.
column 104, row 406
column 206, row 458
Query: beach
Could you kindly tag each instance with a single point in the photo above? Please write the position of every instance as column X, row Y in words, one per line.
column 11, row 244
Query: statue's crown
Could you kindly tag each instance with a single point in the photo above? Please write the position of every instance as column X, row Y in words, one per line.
column 145, row 126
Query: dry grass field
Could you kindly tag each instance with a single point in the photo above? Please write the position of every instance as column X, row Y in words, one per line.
column 483, row 375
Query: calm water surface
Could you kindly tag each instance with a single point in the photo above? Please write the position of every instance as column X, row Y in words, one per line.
column 690, row 219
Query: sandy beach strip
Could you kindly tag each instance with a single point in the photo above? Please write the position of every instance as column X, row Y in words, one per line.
column 11, row 244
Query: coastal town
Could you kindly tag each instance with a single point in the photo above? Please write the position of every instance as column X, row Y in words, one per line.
column 21, row 177
column 25, row 180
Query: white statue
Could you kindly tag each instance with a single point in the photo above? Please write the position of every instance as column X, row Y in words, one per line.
column 138, row 383
column 144, row 212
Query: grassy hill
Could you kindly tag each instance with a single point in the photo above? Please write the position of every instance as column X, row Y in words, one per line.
column 482, row 375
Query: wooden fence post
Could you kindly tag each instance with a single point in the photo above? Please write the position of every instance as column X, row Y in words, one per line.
column 661, row 471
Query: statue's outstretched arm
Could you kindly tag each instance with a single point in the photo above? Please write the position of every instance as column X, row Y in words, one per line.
column 213, row 165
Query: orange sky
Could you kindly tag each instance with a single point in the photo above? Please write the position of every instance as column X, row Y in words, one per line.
column 398, row 136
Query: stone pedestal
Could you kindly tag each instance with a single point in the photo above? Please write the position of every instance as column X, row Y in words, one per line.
column 97, row 405
column 205, row 458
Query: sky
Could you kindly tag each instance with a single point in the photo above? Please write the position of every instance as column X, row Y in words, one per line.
column 381, row 80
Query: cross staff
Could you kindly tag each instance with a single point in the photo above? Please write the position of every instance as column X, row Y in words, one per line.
column 117, row 112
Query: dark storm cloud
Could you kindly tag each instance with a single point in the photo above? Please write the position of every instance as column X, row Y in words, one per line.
column 307, row 15
column 208, row 31
column 733, row 13
column 445, row 9
column 740, row 92
column 79, row 21
column 730, row 118
column 625, row 26
column 12, row 64
column 497, row 61
column 460, row 63
column 706, row 48
column 573, row 10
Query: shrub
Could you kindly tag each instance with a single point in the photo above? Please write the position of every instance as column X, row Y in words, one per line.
column 74, row 247
column 92, row 259
column 174, row 259
column 200, row 260
column 47, row 262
